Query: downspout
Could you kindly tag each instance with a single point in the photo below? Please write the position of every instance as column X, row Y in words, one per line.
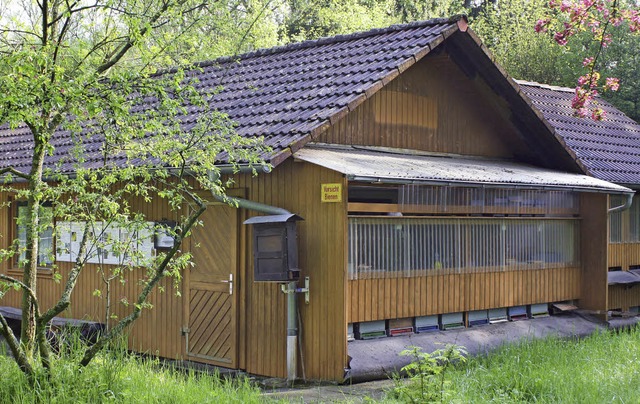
column 244, row 203
column 626, row 205
column 292, row 307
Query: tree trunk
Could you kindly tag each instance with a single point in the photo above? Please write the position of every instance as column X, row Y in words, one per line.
column 29, row 315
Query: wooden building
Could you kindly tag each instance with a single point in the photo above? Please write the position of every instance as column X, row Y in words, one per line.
column 428, row 184
column 607, row 150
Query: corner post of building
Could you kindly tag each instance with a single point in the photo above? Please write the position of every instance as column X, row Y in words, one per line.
column 594, row 238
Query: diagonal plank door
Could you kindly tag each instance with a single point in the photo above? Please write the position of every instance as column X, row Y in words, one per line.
column 212, row 282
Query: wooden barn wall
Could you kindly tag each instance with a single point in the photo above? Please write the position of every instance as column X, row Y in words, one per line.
column 157, row 331
column 432, row 107
column 624, row 255
column 322, row 256
column 623, row 297
column 379, row 299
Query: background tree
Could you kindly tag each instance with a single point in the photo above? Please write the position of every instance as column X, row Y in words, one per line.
column 307, row 19
column 505, row 27
column 600, row 21
column 86, row 71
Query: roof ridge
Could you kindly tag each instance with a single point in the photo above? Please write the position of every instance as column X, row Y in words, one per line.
column 542, row 85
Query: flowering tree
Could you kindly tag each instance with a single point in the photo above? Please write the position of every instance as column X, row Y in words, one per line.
column 79, row 80
column 598, row 19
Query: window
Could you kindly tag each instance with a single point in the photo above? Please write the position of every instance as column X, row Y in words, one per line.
column 624, row 226
column 45, row 239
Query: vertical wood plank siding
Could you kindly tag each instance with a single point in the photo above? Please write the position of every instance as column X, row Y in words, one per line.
column 322, row 257
column 624, row 255
column 623, row 297
column 432, row 107
column 379, row 299
column 157, row 331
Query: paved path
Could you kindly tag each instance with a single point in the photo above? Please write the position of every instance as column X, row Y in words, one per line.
column 356, row 393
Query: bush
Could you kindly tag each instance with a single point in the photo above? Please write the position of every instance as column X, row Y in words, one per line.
column 427, row 374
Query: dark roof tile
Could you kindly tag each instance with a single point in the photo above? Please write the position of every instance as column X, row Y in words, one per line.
column 609, row 149
column 285, row 93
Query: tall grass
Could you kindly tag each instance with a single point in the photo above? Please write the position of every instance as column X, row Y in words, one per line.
column 604, row 367
column 115, row 376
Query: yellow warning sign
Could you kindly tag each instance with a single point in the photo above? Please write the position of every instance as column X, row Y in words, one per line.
column 331, row 193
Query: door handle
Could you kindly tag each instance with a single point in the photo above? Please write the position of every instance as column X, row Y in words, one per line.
column 230, row 282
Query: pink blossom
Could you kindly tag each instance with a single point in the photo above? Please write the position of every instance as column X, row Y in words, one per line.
column 612, row 84
column 560, row 38
column 580, row 112
column 598, row 114
column 587, row 62
column 541, row 25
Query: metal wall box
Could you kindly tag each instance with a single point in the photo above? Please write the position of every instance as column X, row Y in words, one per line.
column 370, row 329
column 164, row 238
column 275, row 248
column 498, row 315
column 478, row 317
column 517, row 313
column 400, row 326
column 539, row 310
column 451, row 321
column 634, row 309
column 426, row 323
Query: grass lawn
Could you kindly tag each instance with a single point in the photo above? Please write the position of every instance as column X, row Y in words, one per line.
column 117, row 377
column 602, row 368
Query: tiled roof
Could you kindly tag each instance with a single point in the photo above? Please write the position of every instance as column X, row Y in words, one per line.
column 288, row 94
column 608, row 149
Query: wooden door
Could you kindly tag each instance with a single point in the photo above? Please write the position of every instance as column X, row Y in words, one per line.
column 212, row 311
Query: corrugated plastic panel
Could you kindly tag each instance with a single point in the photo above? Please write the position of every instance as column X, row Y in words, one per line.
column 374, row 165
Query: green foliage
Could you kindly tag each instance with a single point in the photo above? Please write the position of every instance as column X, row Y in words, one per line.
column 428, row 374
column 416, row 10
column 620, row 59
column 506, row 27
column 604, row 367
column 115, row 376
column 309, row 19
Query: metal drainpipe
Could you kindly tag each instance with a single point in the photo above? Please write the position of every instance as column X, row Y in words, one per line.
column 292, row 307
column 626, row 205
column 292, row 334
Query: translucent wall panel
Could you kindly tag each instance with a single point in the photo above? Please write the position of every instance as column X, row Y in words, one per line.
column 403, row 247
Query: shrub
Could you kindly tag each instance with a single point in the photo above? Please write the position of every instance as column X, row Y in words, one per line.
column 427, row 373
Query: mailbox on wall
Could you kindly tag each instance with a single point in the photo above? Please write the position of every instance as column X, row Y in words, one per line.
column 275, row 247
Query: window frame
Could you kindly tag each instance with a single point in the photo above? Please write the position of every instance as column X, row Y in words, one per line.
column 15, row 235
